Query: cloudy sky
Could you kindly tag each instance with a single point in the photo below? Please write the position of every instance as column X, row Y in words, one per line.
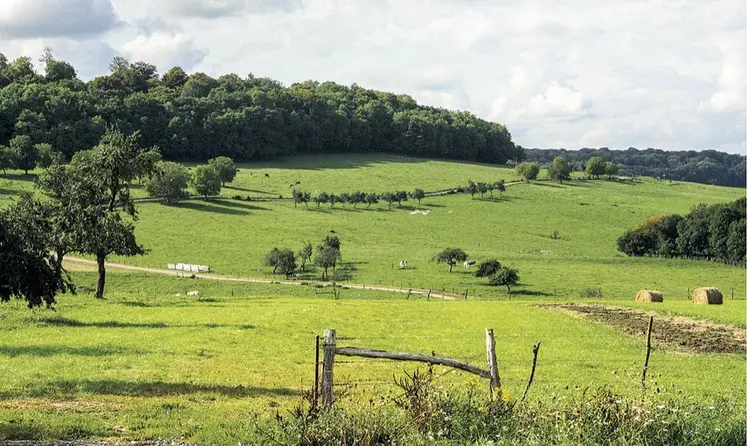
column 646, row 73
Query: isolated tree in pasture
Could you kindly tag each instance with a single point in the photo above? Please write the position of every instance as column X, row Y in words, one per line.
column 305, row 254
column 472, row 188
column 507, row 277
column 482, row 188
column 528, row 171
column 225, row 167
column 371, row 198
column 28, row 270
column 24, row 153
column 6, row 159
column 47, row 155
column 169, row 182
column 99, row 176
column 326, row 257
column 333, row 199
column 400, row 196
column 559, row 170
column 332, row 241
column 418, row 194
column 389, row 197
column 321, row 197
column 488, row 268
column 595, row 166
column 272, row 259
column 451, row 256
column 611, row 169
column 287, row 262
column 205, row 180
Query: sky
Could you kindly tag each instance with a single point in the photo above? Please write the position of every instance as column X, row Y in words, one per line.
column 668, row 74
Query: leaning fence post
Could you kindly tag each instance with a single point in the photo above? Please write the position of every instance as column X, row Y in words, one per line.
column 648, row 353
column 328, row 362
column 495, row 379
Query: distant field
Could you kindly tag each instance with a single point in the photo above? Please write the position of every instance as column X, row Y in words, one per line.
column 233, row 236
column 146, row 363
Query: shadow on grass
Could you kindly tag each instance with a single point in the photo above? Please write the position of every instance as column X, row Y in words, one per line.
column 250, row 190
column 59, row 321
column 239, row 205
column 146, row 389
column 529, row 293
column 220, row 207
column 52, row 350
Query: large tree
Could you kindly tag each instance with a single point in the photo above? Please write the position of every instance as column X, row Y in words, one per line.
column 451, row 256
column 24, row 153
column 528, row 171
column 596, row 167
column 28, row 269
column 169, row 182
column 206, row 181
column 226, row 168
column 560, row 169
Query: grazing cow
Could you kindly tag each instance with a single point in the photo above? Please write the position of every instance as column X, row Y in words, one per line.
column 298, row 182
column 469, row 263
column 193, row 293
column 403, row 264
column 267, row 175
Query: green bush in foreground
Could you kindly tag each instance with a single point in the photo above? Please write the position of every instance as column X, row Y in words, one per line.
column 429, row 414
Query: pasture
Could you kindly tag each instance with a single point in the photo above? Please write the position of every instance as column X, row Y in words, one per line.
column 152, row 362
column 155, row 365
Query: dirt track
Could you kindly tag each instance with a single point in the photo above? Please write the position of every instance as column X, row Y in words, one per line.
column 678, row 333
column 79, row 264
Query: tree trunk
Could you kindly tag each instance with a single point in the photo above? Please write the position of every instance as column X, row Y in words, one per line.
column 59, row 255
column 451, row 265
column 100, row 259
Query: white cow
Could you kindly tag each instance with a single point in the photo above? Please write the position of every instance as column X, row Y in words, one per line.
column 193, row 293
column 469, row 263
column 403, row 264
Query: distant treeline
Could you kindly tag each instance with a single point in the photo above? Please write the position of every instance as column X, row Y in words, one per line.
column 716, row 232
column 707, row 166
column 197, row 117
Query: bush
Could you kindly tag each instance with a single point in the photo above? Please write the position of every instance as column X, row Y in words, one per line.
column 488, row 268
column 592, row 292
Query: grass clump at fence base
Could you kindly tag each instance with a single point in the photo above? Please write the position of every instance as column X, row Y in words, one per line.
column 429, row 413
column 649, row 296
column 710, row 296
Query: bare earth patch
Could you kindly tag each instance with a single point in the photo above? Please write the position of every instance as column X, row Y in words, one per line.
column 678, row 333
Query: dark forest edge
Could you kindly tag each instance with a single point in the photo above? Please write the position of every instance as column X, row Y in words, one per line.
column 715, row 232
column 196, row 118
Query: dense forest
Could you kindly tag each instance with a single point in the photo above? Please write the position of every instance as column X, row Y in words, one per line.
column 707, row 166
column 715, row 232
column 197, row 117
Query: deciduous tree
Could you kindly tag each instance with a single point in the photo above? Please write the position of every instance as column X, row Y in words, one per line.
column 451, row 256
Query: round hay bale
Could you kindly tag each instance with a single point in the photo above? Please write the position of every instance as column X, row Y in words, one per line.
column 708, row 295
column 649, row 296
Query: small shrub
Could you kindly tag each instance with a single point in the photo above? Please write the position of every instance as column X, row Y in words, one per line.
column 592, row 293
column 237, row 197
column 555, row 235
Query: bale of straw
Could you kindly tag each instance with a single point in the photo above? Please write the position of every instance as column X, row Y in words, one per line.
column 708, row 295
column 649, row 296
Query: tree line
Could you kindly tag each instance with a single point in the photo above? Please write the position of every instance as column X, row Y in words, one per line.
column 197, row 117
column 709, row 232
column 707, row 166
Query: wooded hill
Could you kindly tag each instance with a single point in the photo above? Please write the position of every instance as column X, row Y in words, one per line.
column 196, row 117
column 707, row 166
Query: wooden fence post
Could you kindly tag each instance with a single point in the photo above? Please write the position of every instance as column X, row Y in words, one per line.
column 316, row 374
column 429, row 295
column 648, row 353
column 465, row 294
column 495, row 379
column 328, row 362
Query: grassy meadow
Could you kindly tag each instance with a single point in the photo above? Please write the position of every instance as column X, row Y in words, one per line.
column 155, row 365
column 152, row 362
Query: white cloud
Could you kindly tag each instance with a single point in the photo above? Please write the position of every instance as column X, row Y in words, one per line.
column 572, row 73
column 56, row 18
column 165, row 50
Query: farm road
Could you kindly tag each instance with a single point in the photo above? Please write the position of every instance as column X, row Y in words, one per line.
column 77, row 262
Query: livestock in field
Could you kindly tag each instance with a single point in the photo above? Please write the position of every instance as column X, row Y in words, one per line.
column 469, row 263
column 403, row 264
column 193, row 293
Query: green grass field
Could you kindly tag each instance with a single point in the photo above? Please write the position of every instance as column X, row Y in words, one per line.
column 151, row 362
column 155, row 365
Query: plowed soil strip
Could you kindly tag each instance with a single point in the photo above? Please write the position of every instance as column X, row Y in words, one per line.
column 677, row 333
